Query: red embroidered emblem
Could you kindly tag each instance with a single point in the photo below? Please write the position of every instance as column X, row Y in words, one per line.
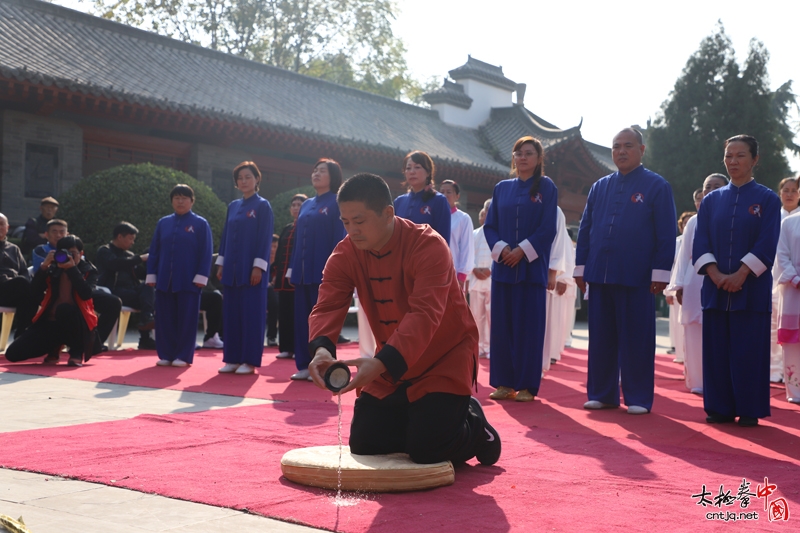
column 637, row 198
column 755, row 209
column 251, row 213
column 537, row 199
column 425, row 210
column 189, row 229
column 324, row 210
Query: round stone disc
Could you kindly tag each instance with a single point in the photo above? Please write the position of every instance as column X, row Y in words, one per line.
column 317, row 466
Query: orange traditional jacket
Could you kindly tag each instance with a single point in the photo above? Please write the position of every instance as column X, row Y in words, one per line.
column 424, row 330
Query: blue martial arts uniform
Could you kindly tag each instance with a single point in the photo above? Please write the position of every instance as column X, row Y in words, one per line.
column 516, row 219
column 319, row 229
column 626, row 241
column 737, row 225
column 245, row 244
column 180, row 256
column 435, row 212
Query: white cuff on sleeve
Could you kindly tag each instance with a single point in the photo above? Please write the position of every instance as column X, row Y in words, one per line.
column 755, row 264
column 498, row 248
column 661, row 276
column 578, row 272
column 220, row 260
column 151, row 278
column 703, row 260
column 260, row 263
column 202, row 280
column 530, row 253
column 288, row 273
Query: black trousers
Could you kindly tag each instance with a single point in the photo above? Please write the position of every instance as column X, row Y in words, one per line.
column 45, row 335
column 437, row 427
column 142, row 297
column 16, row 292
column 211, row 303
column 272, row 313
column 286, row 321
column 107, row 306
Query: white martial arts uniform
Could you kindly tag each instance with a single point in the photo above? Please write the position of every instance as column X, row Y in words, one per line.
column 776, row 352
column 366, row 340
column 480, row 292
column 788, row 257
column 564, row 305
column 675, row 328
column 462, row 246
column 691, row 312
column 554, row 326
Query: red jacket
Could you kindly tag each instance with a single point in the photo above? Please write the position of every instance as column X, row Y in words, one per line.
column 83, row 280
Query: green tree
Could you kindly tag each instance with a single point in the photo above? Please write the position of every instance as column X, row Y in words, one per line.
column 716, row 98
column 345, row 41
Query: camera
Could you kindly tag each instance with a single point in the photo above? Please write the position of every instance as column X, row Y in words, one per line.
column 62, row 256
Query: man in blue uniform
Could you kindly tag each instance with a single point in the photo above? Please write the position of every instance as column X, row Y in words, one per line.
column 626, row 246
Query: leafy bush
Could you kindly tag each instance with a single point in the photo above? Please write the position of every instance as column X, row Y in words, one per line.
column 138, row 194
column 281, row 203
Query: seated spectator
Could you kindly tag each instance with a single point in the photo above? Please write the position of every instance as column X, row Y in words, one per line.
column 272, row 297
column 15, row 285
column 62, row 288
column 55, row 230
column 211, row 303
column 34, row 234
column 122, row 272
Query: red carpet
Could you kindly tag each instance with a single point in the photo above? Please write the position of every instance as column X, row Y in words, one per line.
column 562, row 468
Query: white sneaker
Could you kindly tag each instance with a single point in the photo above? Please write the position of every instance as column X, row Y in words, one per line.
column 180, row 363
column 679, row 361
column 697, row 390
column 596, row 404
column 285, row 355
column 244, row 369
column 793, row 400
column 637, row 410
column 228, row 368
column 163, row 362
column 302, row 375
column 214, row 342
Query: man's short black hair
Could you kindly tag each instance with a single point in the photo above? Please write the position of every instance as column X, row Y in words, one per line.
column 367, row 188
column 70, row 241
column 125, row 228
column 181, row 189
column 55, row 222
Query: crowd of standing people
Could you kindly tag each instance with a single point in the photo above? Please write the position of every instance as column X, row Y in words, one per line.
column 732, row 278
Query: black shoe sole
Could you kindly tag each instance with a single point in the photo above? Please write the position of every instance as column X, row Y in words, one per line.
column 747, row 422
column 491, row 454
column 712, row 419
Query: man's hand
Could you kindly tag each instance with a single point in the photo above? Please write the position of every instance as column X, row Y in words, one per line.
column 670, row 300
column 513, row 257
column 482, row 273
column 368, row 370
column 255, row 276
column 734, row 282
column 49, row 259
column 561, row 288
column 219, row 273
column 657, row 287
column 144, row 257
column 580, row 283
column 717, row 277
column 319, row 365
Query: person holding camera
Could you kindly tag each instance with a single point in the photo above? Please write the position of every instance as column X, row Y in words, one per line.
column 63, row 289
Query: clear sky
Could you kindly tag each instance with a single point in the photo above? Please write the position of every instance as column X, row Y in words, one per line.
column 611, row 63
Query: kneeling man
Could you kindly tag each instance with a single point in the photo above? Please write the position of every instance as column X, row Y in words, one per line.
column 415, row 393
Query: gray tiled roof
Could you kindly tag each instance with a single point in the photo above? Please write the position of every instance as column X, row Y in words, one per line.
column 602, row 154
column 478, row 70
column 51, row 45
column 449, row 93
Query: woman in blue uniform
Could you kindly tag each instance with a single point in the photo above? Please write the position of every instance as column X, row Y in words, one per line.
column 520, row 227
column 317, row 233
column 422, row 204
column 178, row 267
column 734, row 248
column 243, row 261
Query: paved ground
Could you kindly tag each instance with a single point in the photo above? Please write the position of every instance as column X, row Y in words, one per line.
column 55, row 505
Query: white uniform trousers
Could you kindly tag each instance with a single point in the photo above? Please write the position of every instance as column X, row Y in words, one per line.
column 693, row 356
column 776, row 353
column 791, row 370
column 480, row 303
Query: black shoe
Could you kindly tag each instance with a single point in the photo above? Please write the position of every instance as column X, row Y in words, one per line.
column 342, row 339
column 748, row 421
column 146, row 322
column 719, row 419
column 490, row 452
column 272, row 342
column 75, row 361
column 147, row 343
column 671, row 351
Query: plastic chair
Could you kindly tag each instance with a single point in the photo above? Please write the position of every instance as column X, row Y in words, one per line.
column 5, row 329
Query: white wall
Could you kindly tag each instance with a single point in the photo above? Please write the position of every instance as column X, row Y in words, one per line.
column 484, row 98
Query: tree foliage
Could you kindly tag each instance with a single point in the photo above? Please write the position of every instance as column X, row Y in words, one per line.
column 715, row 98
column 138, row 194
column 281, row 203
column 345, row 41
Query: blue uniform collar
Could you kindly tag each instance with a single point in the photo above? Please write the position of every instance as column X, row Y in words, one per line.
column 189, row 214
column 324, row 196
column 746, row 186
column 633, row 174
column 251, row 199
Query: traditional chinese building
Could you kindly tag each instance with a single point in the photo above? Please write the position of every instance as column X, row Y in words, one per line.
column 79, row 94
